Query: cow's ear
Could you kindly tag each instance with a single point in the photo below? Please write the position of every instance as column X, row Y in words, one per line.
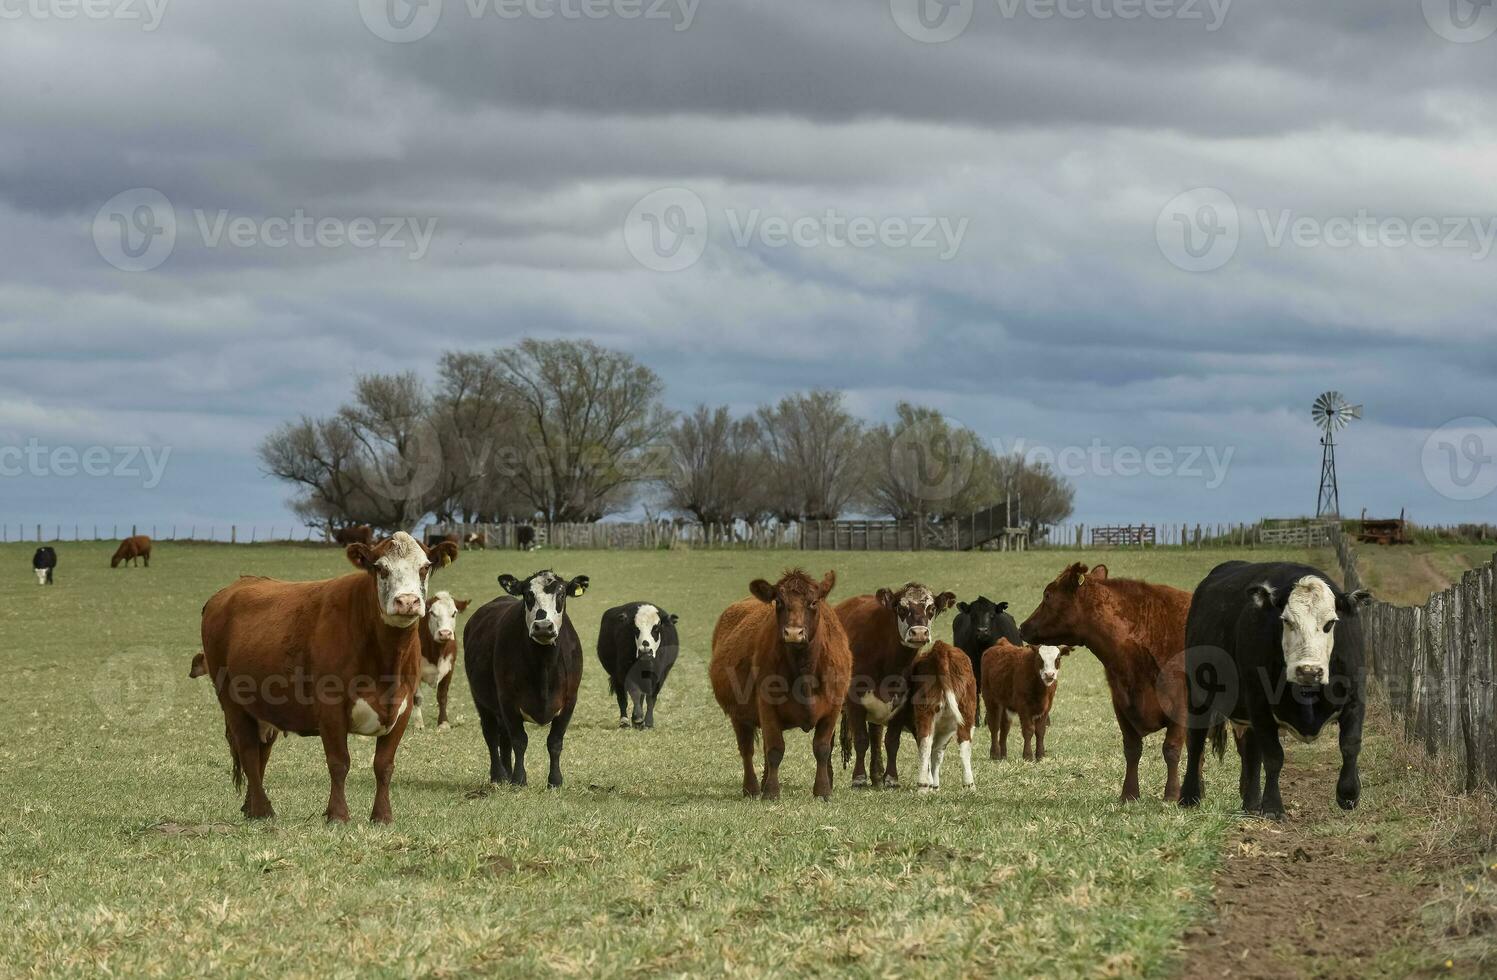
column 1098, row 573
column 623, row 616
column 463, row 604
column 1066, row 650
column 1262, row 594
column 761, row 590
column 511, row 585
column 1348, row 603
column 828, row 583
column 674, row 619
column 577, row 586
column 444, row 554
column 962, row 607
column 1074, row 577
column 885, row 598
column 945, row 601
column 360, row 556
column 1002, row 606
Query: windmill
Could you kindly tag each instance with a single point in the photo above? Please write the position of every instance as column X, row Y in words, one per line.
column 1332, row 414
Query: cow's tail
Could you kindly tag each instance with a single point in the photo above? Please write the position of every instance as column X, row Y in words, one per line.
column 1219, row 740
column 234, row 754
column 844, row 736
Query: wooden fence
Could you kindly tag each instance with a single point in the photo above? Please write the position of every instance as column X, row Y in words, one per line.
column 620, row 535
column 1437, row 663
column 219, row 533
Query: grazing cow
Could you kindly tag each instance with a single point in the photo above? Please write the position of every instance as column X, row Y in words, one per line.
column 1021, row 679
column 44, row 564
column 354, row 534
column 1137, row 630
column 885, row 631
column 322, row 658
column 525, row 537
column 780, row 660
column 942, row 703
column 978, row 625
column 524, row 664
column 478, row 540
column 132, row 550
column 439, row 652
column 637, row 646
column 434, row 538
column 1292, row 641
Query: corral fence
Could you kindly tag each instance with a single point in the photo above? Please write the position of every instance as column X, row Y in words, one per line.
column 1437, row 663
column 207, row 533
column 621, row 535
column 1267, row 533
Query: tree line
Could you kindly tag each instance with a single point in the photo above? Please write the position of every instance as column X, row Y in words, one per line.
column 569, row 431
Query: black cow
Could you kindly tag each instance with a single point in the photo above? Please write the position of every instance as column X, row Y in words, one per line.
column 44, row 564
column 524, row 664
column 525, row 537
column 637, row 646
column 1270, row 646
column 978, row 625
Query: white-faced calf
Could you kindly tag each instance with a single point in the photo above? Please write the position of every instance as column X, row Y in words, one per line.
column 637, row 646
column 1022, row 680
column 942, row 705
column 439, row 653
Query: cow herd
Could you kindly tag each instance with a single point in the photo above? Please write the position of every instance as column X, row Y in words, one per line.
column 1259, row 648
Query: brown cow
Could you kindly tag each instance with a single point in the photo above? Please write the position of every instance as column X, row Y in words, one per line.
column 942, row 703
column 354, row 534
column 322, row 658
column 780, row 660
column 1021, row 679
column 131, row 549
column 1137, row 630
column 476, row 539
column 439, row 652
column 886, row 631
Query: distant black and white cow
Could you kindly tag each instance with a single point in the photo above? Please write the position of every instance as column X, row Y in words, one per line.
column 524, row 664
column 1269, row 647
column 637, row 646
column 44, row 564
column 978, row 625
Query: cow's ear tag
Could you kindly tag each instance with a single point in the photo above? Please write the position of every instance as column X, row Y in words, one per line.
column 1080, row 579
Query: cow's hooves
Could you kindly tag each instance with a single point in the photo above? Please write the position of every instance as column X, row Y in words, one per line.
column 926, row 788
column 333, row 818
column 890, row 783
column 623, row 722
column 639, row 726
column 381, row 818
column 444, row 727
column 1348, row 804
column 860, row 782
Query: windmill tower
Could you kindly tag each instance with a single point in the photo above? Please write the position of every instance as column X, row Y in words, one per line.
column 1332, row 414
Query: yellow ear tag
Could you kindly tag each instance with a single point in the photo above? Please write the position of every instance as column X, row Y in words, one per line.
column 446, row 559
column 1080, row 580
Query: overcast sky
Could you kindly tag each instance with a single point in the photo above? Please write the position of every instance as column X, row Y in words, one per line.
column 1159, row 227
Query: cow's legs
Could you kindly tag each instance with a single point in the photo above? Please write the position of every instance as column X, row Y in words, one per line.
column 821, row 747
column 623, row 700
column 1195, row 747
column 555, row 739
column 892, row 734
column 1026, row 723
column 517, row 740
column 745, row 735
column 1267, row 737
column 442, row 688
column 774, row 753
column 1174, row 740
column 335, row 747
column 1248, row 782
column 245, row 731
column 492, row 731
column 923, row 740
column 1041, row 726
column 652, row 691
column 384, row 767
column 1003, row 724
column 964, row 745
column 993, row 732
column 1133, row 750
column 1349, row 783
column 636, row 704
column 857, row 720
column 416, row 715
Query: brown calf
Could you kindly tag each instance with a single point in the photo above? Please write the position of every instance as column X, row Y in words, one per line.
column 1021, row 679
column 1137, row 630
column 780, row 660
column 322, row 658
column 439, row 652
column 885, row 631
column 942, row 703
column 476, row 539
column 131, row 550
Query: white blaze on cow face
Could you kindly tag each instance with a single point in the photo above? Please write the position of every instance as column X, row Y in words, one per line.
column 441, row 617
column 1049, row 665
column 1309, row 631
column 647, row 630
column 401, row 577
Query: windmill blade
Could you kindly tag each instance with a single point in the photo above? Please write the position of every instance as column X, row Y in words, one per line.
column 1352, row 412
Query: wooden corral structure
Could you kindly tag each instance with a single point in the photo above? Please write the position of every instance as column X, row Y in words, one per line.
column 1376, row 530
column 1125, row 534
column 985, row 528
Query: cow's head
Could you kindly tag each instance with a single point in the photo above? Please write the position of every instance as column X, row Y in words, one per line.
column 441, row 616
column 1308, row 612
column 1050, row 663
column 1066, row 608
column 545, row 595
column 985, row 616
column 797, row 599
column 648, row 622
column 400, row 566
column 915, row 609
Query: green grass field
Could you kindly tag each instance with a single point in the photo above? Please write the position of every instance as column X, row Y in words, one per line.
column 123, row 849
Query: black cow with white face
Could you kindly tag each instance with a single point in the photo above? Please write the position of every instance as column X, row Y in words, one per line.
column 44, row 565
column 1273, row 647
column 637, row 646
column 524, row 665
column 978, row 625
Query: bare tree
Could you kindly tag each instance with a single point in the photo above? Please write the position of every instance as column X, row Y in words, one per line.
column 1041, row 496
column 813, row 448
column 715, row 465
column 923, row 468
column 589, row 428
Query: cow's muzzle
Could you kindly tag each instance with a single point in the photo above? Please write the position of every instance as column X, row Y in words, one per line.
column 1309, row 675
column 445, row 636
column 406, row 605
column 917, row 636
column 543, row 633
column 794, row 635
